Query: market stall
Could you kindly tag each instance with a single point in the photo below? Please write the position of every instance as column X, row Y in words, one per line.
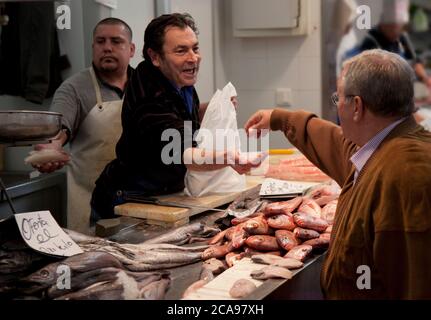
column 220, row 244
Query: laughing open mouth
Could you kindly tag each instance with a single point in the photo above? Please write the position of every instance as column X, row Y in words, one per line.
column 190, row 71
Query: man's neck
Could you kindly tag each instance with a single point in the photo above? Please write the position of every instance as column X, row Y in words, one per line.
column 373, row 127
column 115, row 79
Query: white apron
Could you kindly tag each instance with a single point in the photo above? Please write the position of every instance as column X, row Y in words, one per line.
column 91, row 150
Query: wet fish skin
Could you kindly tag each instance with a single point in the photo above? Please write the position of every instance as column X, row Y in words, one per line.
column 305, row 234
column 155, row 290
column 310, row 207
column 214, row 265
column 306, row 221
column 282, row 221
column 325, row 235
column 256, row 226
column 236, row 221
column 229, row 233
column 249, row 252
column 83, row 262
column 18, row 260
column 242, row 288
column 84, row 280
column 271, row 272
column 329, row 210
column 262, row 242
column 205, row 277
column 206, row 274
column 277, row 261
column 324, row 194
column 232, row 257
column 179, row 235
column 300, row 252
column 286, row 239
column 282, row 207
column 239, row 235
column 194, row 287
column 318, row 243
column 217, row 251
column 80, row 237
column 102, row 291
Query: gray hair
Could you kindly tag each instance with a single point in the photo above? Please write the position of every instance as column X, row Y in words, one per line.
column 383, row 80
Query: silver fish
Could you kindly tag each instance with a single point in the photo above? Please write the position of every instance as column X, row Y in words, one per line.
column 155, row 290
column 84, row 262
column 179, row 235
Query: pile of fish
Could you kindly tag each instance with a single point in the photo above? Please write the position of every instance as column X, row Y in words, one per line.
column 106, row 269
column 281, row 236
column 296, row 168
column 246, row 204
column 93, row 276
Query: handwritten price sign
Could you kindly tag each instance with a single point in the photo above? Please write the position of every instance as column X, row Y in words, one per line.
column 42, row 233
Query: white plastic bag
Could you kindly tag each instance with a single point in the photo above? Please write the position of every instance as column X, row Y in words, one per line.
column 219, row 131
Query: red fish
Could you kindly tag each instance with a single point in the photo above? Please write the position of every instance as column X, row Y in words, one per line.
column 282, row 221
column 306, row 221
column 256, row 226
column 264, row 243
column 283, row 207
column 305, row 234
column 251, row 252
column 300, row 252
column 237, row 221
column 286, row 239
column 232, row 257
column 310, row 207
column 328, row 211
column 217, row 251
column 318, row 243
column 239, row 235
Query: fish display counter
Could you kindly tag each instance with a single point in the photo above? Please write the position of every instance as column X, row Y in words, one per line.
column 252, row 248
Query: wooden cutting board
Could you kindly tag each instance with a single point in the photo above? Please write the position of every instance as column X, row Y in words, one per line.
column 172, row 216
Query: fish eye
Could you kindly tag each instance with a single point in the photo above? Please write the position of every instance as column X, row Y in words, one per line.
column 44, row 273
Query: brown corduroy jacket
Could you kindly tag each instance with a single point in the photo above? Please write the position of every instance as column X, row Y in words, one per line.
column 383, row 221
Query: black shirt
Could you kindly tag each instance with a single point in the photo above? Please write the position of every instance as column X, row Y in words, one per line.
column 151, row 106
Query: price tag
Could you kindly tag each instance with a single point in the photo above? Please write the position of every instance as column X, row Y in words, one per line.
column 42, row 233
column 274, row 187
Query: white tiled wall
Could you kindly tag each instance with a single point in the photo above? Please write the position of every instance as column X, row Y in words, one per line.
column 258, row 66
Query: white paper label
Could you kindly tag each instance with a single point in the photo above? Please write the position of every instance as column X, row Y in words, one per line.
column 42, row 233
column 272, row 187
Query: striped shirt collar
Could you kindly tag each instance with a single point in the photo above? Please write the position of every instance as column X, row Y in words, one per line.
column 360, row 158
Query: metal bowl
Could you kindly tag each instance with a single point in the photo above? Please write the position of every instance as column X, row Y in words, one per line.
column 23, row 125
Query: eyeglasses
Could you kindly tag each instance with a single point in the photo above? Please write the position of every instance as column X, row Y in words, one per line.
column 335, row 98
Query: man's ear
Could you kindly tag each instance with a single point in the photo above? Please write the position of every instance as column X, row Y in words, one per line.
column 358, row 109
column 154, row 56
column 132, row 50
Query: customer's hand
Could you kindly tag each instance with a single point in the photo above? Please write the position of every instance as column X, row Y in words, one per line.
column 258, row 122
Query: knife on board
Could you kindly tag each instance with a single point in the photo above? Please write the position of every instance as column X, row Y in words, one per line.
column 155, row 201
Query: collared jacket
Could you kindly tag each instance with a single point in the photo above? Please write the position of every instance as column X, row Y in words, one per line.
column 381, row 238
